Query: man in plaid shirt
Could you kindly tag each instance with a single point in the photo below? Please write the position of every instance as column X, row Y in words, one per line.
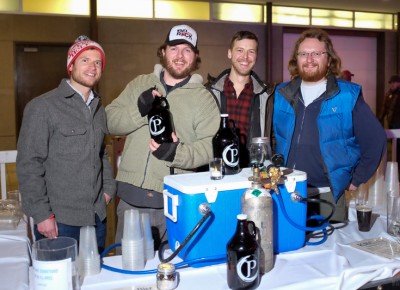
column 242, row 95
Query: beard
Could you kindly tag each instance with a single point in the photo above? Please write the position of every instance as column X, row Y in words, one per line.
column 240, row 71
column 313, row 76
column 178, row 74
column 89, row 83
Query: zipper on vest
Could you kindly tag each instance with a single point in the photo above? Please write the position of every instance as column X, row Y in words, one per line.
column 301, row 129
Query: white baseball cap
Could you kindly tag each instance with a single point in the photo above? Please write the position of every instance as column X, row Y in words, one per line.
column 182, row 34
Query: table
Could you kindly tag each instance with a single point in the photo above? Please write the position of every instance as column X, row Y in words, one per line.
column 14, row 258
column 332, row 265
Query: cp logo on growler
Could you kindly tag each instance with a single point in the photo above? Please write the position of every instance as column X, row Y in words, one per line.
column 156, row 125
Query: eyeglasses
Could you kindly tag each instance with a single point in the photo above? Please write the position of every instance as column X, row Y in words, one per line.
column 314, row 54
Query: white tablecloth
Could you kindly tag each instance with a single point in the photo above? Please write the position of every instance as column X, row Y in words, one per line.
column 332, row 265
column 14, row 258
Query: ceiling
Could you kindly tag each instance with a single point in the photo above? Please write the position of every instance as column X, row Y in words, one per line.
column 385, row 6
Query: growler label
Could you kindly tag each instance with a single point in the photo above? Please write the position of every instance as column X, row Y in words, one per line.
column 156, row 125
column 226, row 146
column 243, row 253
column 230, row 155
column 247, row 269
column 160, row 121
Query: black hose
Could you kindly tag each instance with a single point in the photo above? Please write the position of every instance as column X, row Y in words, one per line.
column 181, row 246
column 317, row 200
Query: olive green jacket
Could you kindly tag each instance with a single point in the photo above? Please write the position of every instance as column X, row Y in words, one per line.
column 196, row 119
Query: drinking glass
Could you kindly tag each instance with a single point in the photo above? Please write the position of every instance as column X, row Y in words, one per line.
column 394, row 225
column 364, row 215
column 216, row 169
column 14, row 195
column 55, row 264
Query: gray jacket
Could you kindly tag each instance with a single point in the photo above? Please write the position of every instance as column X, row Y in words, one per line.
column 62, row 164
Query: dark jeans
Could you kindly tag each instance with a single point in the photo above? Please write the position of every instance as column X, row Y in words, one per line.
column 74, row 232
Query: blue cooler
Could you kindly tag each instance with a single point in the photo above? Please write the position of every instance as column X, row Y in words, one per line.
column 184, row 193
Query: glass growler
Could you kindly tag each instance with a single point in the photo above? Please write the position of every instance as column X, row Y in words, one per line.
column 243, row 256
column 160, row 121
column 226, row 146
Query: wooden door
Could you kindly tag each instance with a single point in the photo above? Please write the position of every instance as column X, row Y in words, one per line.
column 39, row 69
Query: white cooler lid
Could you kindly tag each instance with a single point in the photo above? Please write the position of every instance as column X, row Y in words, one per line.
column 193, row 183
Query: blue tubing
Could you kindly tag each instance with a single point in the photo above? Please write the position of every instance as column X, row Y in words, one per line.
column 222, row 258
column 183, row 264
column 305, row 228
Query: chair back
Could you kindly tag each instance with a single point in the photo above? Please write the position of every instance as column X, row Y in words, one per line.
column 6, row 157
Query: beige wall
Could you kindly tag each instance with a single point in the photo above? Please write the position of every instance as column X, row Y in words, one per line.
column 7, row 101
column 130, row 47
column 34, row 29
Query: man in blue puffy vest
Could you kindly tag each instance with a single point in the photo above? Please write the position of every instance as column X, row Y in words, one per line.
column 322, row 124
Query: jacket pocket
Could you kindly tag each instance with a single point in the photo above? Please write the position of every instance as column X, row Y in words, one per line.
column 73, row 140
column 68, row 132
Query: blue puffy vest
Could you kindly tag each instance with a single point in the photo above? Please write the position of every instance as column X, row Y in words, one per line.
column 339, row 149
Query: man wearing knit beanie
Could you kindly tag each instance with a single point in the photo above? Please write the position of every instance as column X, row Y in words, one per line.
column 83, row 43
column 64, row 175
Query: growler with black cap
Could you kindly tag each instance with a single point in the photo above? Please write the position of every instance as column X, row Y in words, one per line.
column 226, row 146
column 243, row 255
column 160, row 121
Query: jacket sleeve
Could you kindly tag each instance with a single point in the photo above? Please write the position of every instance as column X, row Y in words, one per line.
column 207, row 118
column 32, row 149
column 269, row 111
column 372, row 139
column 384, row 109
column 109, row 183
column 123, row 116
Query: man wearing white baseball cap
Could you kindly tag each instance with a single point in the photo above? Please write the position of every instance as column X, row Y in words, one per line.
column 144, row 162
column 64, row 175
column 182, row 34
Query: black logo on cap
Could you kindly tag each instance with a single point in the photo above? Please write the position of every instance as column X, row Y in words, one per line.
column 184, row 33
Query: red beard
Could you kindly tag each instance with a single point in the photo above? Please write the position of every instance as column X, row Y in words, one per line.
column 312, row 76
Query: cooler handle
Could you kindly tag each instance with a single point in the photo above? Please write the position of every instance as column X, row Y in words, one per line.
column 174, row 205
column 290, row 184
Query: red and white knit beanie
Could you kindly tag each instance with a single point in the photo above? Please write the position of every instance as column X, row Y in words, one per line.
column 81, row 44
